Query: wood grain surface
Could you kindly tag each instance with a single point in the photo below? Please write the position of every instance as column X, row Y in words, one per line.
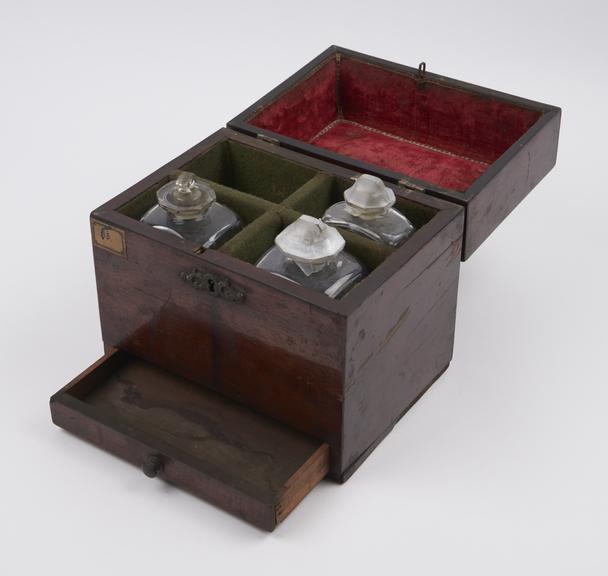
column 135, row 409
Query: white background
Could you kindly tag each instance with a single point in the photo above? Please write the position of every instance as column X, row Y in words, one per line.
column 501, row 468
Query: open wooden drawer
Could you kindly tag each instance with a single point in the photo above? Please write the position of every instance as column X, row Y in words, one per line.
column 192, row 437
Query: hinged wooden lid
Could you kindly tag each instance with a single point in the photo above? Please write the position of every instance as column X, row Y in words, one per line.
column 475, row 147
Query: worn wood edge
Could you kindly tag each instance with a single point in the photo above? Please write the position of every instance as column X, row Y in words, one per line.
column 302, row 482
column 365, row 454
column 70, row 412
column 111, row 358
column 486, row 189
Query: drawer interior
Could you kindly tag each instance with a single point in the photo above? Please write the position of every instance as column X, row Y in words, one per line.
column 269, row 192
column 222, row 451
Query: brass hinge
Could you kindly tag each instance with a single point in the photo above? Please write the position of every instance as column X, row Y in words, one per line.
column 410, row 185
column 268, row 139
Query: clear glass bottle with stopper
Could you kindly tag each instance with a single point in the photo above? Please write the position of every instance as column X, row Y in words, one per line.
column 311, row 254
column 367, row 210
column 187, row 208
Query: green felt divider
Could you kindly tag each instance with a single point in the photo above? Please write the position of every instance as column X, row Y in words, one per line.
column 213, row 164
column 143, row 202
column 269, row 193
column 262, row 174
column 251, row 242
column 318, row 194
column 287, row 214
column 251, row 170
column 313, row 197
column 417, row 214
column 246, row 206
column 370, row 252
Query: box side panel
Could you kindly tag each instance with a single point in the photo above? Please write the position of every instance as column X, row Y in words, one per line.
column 278, row 354
column 400, row 342
column 497, row 199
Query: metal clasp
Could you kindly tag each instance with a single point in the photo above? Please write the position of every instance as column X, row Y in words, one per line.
column 404, row 183
column 213, row 284
column 269, row 139
column 422, row 70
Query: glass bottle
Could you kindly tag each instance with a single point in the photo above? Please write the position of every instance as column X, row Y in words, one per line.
column 367, row 210
column 187, row 208
column 311, row 254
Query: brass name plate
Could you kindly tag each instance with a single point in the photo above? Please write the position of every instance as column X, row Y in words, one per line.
column 109, row 238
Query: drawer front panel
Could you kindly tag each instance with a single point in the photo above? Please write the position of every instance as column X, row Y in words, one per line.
column 194, row 438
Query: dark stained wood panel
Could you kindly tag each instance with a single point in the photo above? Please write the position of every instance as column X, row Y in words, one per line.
column 219, row 449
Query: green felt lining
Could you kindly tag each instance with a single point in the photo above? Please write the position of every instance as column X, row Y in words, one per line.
column 269, row 193
column 246, row 206
column 313, row 197
column 250, row 170
column 137, row 207
column 319, row 193
column 251, row 242
column 370, row 252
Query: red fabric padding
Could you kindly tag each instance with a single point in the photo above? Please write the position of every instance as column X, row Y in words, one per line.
column 444, row 170
column 305, row 109
column 467, row 131
column 448, row 118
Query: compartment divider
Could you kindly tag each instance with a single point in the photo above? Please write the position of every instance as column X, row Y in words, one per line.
column 313, row 197
column 370, row 252
column 253, row 240
column 247, row 206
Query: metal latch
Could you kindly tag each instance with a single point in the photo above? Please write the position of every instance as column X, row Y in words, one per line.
column 218, row 286
column 268, row 139
column 422, row 70
column 410, row 185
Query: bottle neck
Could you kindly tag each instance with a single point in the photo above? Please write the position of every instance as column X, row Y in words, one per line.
column 175, row 219
column 309, row 268
column 367, row 214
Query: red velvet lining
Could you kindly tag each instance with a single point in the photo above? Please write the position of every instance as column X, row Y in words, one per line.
column 303, row 111
column 445, row 136
column 359, row 142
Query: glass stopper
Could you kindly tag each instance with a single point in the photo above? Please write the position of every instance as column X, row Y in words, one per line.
column 369, row 198
column 310, row 243
column 187, row 197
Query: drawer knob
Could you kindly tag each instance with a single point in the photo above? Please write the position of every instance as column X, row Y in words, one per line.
column 152, row 465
